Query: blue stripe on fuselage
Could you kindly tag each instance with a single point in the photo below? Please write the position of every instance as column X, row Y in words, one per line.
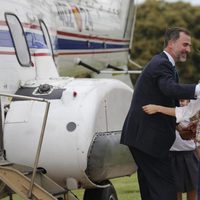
column 5, row 39
column 66, row 44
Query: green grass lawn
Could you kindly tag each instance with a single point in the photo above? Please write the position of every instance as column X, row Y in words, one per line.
column 127, row 188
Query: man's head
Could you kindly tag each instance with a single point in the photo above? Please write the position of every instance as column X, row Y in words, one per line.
column 177, row 43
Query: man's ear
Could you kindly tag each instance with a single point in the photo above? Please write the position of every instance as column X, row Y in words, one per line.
column 170, row 44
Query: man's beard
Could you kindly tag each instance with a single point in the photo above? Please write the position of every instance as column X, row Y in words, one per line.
column 182, row 57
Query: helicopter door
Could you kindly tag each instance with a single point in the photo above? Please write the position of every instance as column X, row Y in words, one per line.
column 44, row 59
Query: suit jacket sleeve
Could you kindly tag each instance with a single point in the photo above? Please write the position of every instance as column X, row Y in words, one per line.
column 169, row 87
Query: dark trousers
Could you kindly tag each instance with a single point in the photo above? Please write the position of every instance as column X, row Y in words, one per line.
column 155, row 177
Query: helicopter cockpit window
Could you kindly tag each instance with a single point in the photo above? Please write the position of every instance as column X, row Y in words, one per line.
column 46, row 37
column 19, row 39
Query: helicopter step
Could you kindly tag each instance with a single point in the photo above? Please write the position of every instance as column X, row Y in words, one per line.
column 16, row 179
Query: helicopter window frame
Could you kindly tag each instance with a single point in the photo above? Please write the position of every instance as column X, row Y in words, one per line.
column 46, row 36
column 19, row 39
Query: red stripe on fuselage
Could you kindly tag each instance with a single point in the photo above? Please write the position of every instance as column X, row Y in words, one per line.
column 83, row 53
column 13, row 53
column 89, row 37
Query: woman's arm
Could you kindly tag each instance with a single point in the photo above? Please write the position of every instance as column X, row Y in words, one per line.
column 181, row 113
column 152, row 109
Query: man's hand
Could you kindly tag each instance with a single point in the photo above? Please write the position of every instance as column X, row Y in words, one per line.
column 187, row 132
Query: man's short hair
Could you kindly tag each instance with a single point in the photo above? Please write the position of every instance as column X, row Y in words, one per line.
column 173, row 34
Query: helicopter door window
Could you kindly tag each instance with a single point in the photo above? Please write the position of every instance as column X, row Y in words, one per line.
column 46, row 36
column 19, row 39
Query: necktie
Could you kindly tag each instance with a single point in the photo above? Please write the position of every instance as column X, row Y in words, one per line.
column 176, row 76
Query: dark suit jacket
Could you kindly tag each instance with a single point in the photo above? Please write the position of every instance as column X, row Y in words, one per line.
column 154, row 134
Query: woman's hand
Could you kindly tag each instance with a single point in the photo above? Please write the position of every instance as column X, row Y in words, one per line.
column 151, row 109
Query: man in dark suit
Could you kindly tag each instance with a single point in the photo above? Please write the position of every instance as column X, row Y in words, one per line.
column 149, row 137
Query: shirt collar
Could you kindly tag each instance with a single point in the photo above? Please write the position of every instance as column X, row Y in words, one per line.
column 170, row 58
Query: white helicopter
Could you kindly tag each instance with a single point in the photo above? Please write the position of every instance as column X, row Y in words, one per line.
column 67, row 127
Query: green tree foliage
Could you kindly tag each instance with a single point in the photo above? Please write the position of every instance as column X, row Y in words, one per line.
column 153, row 17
